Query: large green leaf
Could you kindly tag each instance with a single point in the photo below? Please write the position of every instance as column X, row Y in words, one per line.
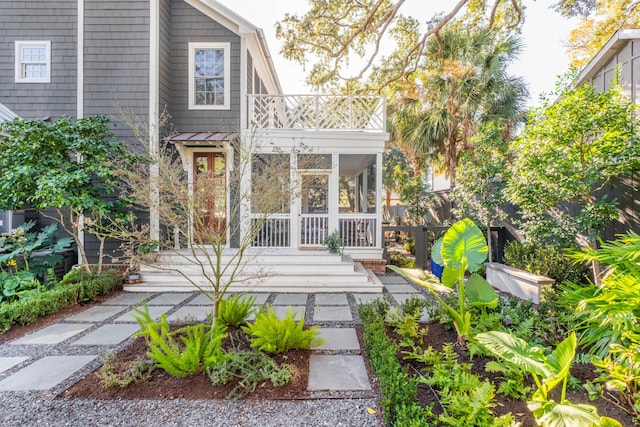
column 552, row 414
column 560, row 360
column 463, row 245
column 451, row 276
column 515, row 350
column 480, row 293
column 436, row 252
column 429, row 285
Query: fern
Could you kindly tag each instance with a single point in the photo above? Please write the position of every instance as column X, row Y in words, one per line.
column 273, row 335
column 200, row 346
column 250, row 368
column 109, row 376
column 235, row 310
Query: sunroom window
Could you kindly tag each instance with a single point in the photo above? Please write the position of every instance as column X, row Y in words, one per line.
column 209, row 76
column 33, row 61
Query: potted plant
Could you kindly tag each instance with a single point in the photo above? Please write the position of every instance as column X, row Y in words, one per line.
column 334, row 242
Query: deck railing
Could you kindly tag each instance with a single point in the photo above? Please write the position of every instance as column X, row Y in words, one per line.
column 318, row 112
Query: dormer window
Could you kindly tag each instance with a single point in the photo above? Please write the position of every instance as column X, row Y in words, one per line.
column 33, row 61
column 209, row 86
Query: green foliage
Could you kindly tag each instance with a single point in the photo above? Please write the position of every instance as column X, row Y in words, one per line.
column 274, row 335
column 334, row 242
column 398, row 259
column 416, row 194
column 399, row 390
column 235, row 310
column 548, row 371
column 608, row 316
column 462, row 248
column 545, row 260
column 407, row 325
column 466, row 399
column 572, row 146
column 187, row 351
column 249, row 368
column 46, row 302
column 19, row 285
column 512, row 381
column 110, row 373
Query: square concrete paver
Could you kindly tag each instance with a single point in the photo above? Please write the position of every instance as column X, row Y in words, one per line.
column 298, row 310
column 337, row 372
column 331, row 313
column 338, row 339
column 108, row 335
column 290, row 299
column 154, row 312
column 130, row 298
column 97, row 313
column 392, row 279
column 45, row 373
column 400, row 289
column 331, row 299
column 190, row 313
column 201, row 299
column 401, row 298
column 9, row 362
column 366, row 298
column 53, row 334
column 169, row 298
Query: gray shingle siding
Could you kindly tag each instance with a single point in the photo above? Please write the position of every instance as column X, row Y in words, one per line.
column 190, row 25
column 116, row 66
column 39, row 21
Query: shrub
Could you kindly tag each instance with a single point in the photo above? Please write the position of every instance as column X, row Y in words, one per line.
column 47, row 302
column 186, row 351
column 235, row 310
column 110, row 374
column 275, row 335
column 548, row 261
column 250, row 368
column 399, row 390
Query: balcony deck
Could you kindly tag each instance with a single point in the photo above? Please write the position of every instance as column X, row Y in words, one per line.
column 356, row 113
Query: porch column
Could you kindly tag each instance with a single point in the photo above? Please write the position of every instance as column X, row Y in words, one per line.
column 334, row 193
column 294, row 201
column 379, row 240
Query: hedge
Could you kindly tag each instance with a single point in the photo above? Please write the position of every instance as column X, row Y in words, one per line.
column 47, row 302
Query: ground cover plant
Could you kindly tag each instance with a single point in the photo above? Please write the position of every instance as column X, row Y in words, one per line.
column 208, row 360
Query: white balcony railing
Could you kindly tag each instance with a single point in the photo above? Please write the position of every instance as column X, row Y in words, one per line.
column 318, row 112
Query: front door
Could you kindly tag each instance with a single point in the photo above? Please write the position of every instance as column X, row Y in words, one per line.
column 314, row 209
column 210, row 197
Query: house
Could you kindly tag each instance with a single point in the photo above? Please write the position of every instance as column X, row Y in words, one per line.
column 9, row 220
column 211, row 71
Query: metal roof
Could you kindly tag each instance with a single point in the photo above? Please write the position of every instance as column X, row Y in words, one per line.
column 201, row 138
column 6, row 114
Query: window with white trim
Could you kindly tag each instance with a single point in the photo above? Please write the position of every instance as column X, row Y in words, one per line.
column 209, row 86
column 33, row 61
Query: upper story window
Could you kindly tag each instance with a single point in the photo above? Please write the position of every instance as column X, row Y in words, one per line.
column 33, row 61
column 209, row 85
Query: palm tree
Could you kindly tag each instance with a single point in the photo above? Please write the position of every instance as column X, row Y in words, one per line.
column 464, row 83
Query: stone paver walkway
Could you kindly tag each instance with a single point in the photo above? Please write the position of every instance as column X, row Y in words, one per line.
column 56, row 356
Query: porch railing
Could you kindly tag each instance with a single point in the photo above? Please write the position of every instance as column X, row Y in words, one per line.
column 358, row 231
column 318, row 112
column 313, row 229
column 274, row 232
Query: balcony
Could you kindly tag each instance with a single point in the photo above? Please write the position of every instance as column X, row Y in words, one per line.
column 363, row 113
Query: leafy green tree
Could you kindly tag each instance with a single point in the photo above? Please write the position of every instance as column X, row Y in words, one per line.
column 64, row 167
column 394, row 170
column 596, row 21
column 481, row 178
column 570, row 149
column 344, row 37
column 465, row 83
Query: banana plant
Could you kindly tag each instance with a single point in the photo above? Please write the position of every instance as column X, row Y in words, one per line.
column 548, row 371
column 461, row 249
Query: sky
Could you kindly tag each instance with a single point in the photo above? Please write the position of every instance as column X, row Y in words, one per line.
column 544, row 37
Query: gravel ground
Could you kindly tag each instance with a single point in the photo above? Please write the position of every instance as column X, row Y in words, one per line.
column 36, row 409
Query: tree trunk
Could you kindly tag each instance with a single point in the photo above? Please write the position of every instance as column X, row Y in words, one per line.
column 596, row 268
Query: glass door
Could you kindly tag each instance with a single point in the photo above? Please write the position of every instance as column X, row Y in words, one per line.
column 314, row 209
column 210, row 197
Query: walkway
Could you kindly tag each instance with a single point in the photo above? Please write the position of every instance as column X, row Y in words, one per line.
column 36, row 368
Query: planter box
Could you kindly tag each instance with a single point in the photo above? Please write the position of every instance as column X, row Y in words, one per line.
column 519, row 283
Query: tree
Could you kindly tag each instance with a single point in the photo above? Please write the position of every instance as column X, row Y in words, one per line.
column 597, row 22
column 482, row 175
column 341, row 34
column 570, row 149
column 394, row 170
column 65, row 166
column 465, row 83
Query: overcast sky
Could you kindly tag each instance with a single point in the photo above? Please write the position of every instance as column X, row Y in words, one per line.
column 544, row 36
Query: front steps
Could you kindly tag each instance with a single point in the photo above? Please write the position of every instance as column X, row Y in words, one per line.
column 263, row 270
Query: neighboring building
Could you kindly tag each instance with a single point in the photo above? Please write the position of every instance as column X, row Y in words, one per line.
column 211, row 71
column 9, row 220
column 621, row 52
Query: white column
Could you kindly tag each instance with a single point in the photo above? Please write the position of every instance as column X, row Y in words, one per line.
column 294, row 212
column 334, row 192
column 379, row 243
column 80, row 98
column 154, row 119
